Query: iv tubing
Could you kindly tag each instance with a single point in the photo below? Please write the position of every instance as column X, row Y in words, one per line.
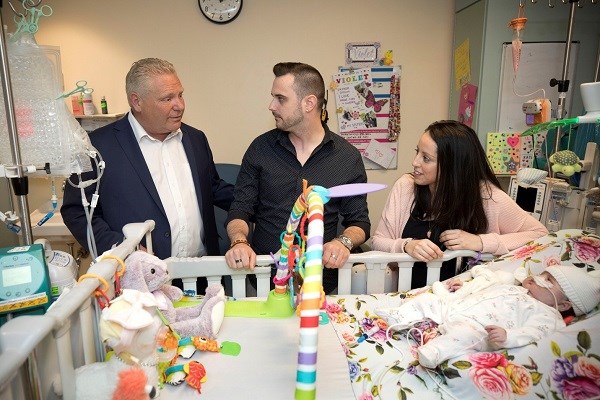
column 89, row 207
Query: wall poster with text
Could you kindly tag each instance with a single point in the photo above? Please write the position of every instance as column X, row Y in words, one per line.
column 368, row 112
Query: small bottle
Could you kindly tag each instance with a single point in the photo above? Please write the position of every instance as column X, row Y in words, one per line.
column 103, row 105
column 77, row 105
column 88, row 104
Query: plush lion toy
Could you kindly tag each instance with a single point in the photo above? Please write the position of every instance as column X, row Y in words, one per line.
column 565, row 162
column 133, row 385
column 148, row 273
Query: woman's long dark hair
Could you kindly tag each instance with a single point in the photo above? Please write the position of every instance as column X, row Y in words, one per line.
column 461, row 170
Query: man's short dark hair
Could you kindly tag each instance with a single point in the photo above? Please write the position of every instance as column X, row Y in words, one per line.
column 307, row 80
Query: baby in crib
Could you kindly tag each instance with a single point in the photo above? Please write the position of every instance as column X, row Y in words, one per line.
column 488, row 312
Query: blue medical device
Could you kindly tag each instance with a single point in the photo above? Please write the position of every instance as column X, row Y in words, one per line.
column 24, row 282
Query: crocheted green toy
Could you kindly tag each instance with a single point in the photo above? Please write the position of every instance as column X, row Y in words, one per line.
column 565, row 162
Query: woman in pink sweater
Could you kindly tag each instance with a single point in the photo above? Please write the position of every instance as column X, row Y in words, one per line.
column 452, row 200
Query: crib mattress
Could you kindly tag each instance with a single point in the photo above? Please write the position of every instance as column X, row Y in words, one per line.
column 266, row 366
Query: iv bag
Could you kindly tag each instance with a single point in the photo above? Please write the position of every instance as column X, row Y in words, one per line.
column 48, row 132
column 517, row 25
column 516, row 53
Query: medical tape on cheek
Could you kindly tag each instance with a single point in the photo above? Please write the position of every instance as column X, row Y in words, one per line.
column 546, row 284
column 541, row 282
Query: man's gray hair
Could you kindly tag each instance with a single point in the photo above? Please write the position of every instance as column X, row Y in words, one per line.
column 137, row 77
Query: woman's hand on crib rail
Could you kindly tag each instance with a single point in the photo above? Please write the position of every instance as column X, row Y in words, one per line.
column 456, row 239
column 423, row 250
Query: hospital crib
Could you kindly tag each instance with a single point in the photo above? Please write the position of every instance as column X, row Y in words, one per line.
column 39, row 354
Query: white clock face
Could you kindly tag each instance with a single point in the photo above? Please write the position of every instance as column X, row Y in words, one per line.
column 220, row 11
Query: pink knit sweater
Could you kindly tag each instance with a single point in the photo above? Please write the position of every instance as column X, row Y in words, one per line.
column 509, row 226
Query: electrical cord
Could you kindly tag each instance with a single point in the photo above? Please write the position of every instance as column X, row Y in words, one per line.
column 435, row 377
column 439, row 383
column 387, row 369
column 390, row 339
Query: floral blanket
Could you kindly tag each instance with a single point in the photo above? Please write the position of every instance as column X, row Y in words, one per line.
column 565, row 365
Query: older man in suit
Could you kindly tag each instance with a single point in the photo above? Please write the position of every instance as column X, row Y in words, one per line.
column 156, row 168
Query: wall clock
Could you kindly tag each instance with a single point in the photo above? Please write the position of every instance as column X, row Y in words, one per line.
column 220, row 11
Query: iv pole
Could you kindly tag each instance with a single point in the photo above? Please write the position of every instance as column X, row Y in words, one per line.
column 20, row 183
column 597, row 73
column 563, row 84
column 29, row 370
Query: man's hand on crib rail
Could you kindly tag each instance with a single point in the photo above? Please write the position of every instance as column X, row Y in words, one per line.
column 240, row 255
column 335, row 254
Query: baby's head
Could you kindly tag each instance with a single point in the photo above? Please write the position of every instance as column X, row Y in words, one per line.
column 566, row 288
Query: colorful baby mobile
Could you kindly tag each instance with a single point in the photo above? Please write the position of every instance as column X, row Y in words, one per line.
column 300, row 267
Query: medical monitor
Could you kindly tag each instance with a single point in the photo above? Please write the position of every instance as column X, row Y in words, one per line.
column 530, row 199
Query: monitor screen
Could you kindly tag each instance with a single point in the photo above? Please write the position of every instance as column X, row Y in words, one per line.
column 16, row 276
column 526, row 198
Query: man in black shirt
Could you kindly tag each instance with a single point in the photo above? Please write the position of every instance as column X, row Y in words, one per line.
column 272, row 170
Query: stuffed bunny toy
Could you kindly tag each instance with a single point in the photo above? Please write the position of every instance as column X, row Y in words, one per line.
column 130, row 326
column 148, row 273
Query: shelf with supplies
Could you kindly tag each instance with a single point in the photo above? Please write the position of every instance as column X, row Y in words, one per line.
column 92, row 122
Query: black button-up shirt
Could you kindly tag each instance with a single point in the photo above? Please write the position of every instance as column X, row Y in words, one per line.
column 270, row 181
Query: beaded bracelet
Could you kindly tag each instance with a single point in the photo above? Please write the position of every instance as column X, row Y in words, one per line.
column 238, row 241
column 405, row 243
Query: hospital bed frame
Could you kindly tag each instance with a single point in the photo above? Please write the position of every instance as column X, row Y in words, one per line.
column 66, row 335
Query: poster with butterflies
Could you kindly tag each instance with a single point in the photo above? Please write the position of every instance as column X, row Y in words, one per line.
column 365, row 118
column 507, row 152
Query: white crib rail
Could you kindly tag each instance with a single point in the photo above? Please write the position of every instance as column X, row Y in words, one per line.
column 375, row 263
column 74, row 315
column 21, row 336
column 214, row 268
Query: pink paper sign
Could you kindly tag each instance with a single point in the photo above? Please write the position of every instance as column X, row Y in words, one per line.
column 466, row 105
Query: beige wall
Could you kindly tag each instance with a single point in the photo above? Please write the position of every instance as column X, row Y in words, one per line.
column 226, row 70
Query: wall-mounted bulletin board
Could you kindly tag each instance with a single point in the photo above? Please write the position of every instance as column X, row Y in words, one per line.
column 368, row 112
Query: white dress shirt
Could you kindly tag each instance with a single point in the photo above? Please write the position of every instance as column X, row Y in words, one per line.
column 170, row 170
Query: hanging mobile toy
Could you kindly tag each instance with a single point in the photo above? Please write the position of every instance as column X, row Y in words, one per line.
column 517, row 25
